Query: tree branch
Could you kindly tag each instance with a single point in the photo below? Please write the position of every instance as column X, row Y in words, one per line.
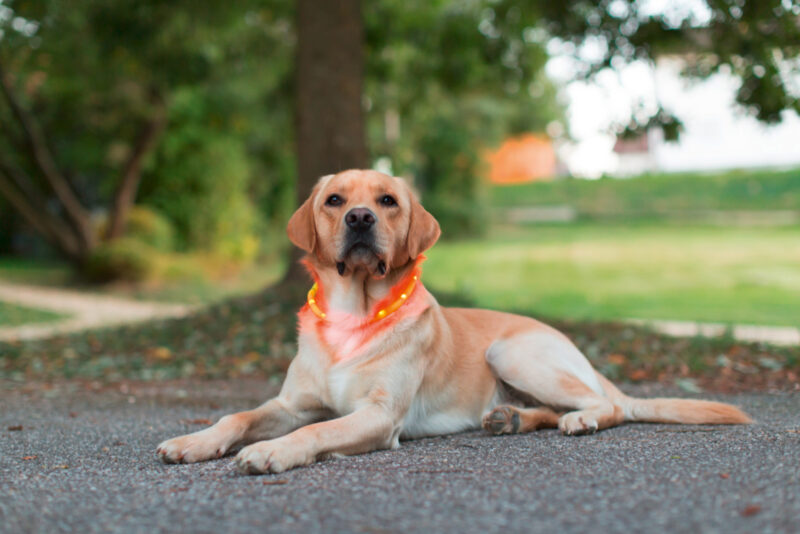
column 132, row 170
column 40, row 220
column 35, row 142
column 24, row 184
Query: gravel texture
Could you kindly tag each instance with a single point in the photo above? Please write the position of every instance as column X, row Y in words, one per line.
column 84, row 462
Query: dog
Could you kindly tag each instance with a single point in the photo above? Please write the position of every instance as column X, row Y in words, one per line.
column 379, row 360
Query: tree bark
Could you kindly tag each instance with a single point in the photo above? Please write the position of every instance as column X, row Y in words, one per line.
column 40, row 153
column 329, row 117
column 132, row 170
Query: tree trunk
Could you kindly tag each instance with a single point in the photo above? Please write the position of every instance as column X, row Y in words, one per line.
column 125, row 195
column 329, row 119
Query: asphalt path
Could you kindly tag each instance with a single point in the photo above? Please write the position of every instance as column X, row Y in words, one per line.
column 84, row 461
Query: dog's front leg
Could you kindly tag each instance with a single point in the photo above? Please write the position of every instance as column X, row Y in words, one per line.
column 274, row 418
column 369, row 428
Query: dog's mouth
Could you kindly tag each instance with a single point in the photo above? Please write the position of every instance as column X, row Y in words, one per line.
column 362, row 254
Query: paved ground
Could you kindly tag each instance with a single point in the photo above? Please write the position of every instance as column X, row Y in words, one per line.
column 90, row 467
column 86, row 310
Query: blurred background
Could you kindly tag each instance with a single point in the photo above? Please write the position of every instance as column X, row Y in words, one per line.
column 618, row 160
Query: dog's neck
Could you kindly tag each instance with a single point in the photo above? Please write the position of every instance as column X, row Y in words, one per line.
column 356, row 293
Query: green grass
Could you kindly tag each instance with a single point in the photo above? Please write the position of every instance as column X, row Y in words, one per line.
column 194, row 289
column 14, row 315
column 652, row 195
column 35, row 272
column 616, row 271
column 200, row 290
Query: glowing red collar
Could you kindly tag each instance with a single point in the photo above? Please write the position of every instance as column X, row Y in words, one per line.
column 398, row 295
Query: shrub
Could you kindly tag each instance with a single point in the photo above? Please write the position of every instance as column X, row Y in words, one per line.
column 124, row 259
column 148, row 226
column 201, row 182
column 449, row 178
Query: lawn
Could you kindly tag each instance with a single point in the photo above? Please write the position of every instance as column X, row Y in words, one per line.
column 194, row 289
column 35, row 272
column 13, row 315
column 615, row 271
column 674, row 195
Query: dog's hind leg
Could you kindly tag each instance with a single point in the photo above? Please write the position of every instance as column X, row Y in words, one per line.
column 546, row 366
column 507, row 419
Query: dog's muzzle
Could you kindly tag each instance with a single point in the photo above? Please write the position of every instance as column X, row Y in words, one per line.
column 360, row 248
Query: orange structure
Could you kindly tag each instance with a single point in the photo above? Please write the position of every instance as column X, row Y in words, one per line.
column 526, row 158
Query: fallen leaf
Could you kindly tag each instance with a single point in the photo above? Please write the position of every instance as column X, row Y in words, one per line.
column 275, row 482
column 251, row 357
column 638, row 374
column 73, row 414
column 62, row 466
column 160, row 353
column 196, row 421
column 724, row 475
column 751, row 510
column 617, row 359
column 15, row 428
column 31, row 457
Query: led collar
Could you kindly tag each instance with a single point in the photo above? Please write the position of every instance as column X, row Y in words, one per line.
column 406, row 286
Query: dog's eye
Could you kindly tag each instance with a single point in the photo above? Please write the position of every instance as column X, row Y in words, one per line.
column 388, row 200
column 334, row 200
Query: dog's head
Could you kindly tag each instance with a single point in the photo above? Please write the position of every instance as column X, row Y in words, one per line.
column 363, row 220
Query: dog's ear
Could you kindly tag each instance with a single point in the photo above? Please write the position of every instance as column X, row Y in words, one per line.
column 301, row 228
column 423, row 229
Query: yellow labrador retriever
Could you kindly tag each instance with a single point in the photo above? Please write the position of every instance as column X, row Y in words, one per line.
column 380, row 360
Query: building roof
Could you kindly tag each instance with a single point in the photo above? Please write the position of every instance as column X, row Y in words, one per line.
column 522, row 159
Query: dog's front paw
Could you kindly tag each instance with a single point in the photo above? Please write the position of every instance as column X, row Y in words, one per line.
column 273, row 456
column 196, row 447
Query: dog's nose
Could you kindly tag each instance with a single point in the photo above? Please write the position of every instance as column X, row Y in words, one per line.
column 360, row 219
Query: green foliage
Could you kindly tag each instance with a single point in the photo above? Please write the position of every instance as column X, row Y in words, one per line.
column 756, row 40
column 123, row 259
column 151, row 228
column 448, row 175
column 446, row 81
column 92, row 70
column 200, row 181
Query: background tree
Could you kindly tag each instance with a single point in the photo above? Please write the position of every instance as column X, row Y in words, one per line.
column 329, row 77
column 220, row 117
column 89, row 89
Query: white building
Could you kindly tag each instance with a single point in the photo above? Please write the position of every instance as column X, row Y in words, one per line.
column 718, row 135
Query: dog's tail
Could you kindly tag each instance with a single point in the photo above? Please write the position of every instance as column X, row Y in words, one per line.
column 693, row 412
column 686, row 411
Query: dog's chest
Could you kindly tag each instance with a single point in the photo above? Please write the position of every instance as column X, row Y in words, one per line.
column 345, row 388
